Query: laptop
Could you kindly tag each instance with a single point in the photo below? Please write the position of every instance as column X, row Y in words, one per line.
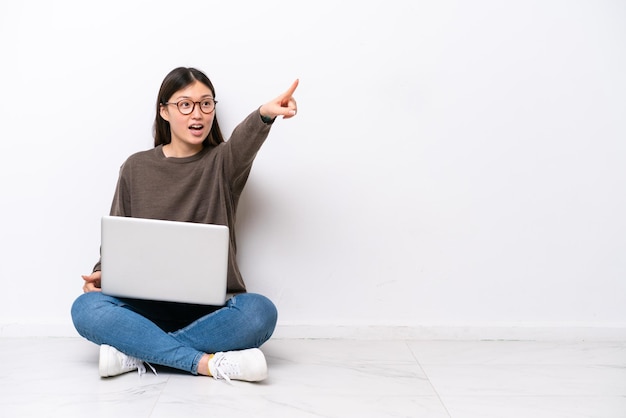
column 164, row 260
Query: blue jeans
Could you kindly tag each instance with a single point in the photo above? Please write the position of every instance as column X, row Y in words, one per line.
column 173, row 334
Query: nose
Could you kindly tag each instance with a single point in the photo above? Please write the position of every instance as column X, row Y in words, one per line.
column 196, row 112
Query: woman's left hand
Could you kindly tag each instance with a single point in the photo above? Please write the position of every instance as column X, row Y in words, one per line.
column 283, row 105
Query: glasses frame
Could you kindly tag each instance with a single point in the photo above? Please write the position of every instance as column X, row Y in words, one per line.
column 193, row 107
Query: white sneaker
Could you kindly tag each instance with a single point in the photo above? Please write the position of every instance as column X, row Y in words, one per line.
column 113, row 363
column 248, row 365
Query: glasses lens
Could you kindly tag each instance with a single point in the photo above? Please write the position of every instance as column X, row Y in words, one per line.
column 185, row 106
column 207, row 106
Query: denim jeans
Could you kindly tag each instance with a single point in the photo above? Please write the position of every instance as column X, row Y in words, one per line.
column 173, row 334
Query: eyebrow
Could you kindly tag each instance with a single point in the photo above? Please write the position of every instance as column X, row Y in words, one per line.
column 201, row 97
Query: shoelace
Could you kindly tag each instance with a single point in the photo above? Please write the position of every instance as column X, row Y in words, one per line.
column 223, row 369
column 132, row 362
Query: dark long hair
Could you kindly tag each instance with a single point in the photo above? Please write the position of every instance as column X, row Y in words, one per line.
column 177, row 79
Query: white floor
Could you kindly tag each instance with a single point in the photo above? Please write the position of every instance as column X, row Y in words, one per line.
column 57, row 377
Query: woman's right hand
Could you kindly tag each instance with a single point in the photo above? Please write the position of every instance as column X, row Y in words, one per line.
column 92, row 282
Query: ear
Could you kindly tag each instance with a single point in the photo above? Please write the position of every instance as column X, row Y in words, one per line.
column 164, row 112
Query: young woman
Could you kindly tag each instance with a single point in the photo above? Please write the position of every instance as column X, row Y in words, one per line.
column 191, row 175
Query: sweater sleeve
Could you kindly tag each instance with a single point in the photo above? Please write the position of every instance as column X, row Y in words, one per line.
column 242, row 147
column 120, row 205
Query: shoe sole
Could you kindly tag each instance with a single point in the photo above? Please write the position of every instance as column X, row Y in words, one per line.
column 107, row 357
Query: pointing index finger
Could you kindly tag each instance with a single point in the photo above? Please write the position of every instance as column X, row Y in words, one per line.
column 287, row 95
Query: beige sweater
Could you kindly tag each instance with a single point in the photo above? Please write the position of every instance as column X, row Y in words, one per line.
column 203, row 188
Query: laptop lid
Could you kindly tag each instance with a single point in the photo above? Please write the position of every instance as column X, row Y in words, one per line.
column 164, row 260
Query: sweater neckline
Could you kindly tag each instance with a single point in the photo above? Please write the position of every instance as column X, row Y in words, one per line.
column 179, row 160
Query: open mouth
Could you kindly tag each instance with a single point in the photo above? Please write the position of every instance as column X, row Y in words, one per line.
column 196, row 127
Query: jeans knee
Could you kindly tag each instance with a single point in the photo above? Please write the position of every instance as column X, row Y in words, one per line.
column 86, row 312
column 261, row 314
column 266, row 311
column 78, row 307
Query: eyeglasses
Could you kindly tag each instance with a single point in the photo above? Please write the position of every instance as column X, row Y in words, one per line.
column 186, row 106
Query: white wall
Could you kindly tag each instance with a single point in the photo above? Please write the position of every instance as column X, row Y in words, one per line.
column 453, row 164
